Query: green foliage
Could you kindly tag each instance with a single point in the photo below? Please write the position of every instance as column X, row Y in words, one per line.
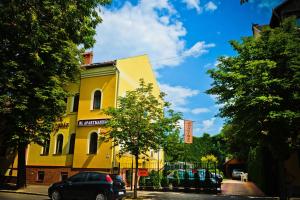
column 40, row 55
column 164, row 181
column 175, row 180
column 186, row 180
column 197, row 180
column 155, row 179
column 259, row 88
column 256, row 167
column 201, row 146
column 142, row 181
column 173, row 147
column 141, row 121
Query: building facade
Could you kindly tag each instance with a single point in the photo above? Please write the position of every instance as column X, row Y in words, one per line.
column 75, row 143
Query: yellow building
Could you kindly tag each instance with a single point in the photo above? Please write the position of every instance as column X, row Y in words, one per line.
column 74, row 143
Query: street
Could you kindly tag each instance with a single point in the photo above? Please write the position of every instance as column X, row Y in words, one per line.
column 145, row 196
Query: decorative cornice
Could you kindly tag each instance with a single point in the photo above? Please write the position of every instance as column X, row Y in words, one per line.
column 98, row 71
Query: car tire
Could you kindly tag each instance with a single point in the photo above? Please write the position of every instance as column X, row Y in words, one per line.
column 55, row 195
column 101, row 197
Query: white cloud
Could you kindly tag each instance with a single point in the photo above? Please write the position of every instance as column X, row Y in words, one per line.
column 150, row 27
column 193, row 4
column 268, row 4
column 210, row 6
column 198, row 49
column 217, row 63
column 208, row 124
column 177, row 96
column 200, row 110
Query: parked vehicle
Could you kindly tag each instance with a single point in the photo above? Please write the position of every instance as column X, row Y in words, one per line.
column 218, row 177
column 206, row 180
column 89, row 185
column 236, row 173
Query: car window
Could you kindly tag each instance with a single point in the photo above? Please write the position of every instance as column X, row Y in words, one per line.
column 95, row 177
column 116, row 177
column 78, row 177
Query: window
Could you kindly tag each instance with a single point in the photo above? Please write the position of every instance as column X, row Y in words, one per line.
column 3, row 150
column 151, row 153
column 95, row 177
column 46, row 147
column 72, row 144
column 93, row 143
column 59, row 144
column 64, row 176
column 78, row 177
column 75, row 103
column 97, row 100
column 41, row 176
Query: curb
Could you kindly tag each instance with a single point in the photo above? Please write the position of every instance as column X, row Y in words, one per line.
column 29, row 193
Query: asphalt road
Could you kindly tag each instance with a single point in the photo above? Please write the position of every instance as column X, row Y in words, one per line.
column 146, row 196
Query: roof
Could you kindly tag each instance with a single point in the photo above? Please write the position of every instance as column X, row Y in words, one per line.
column 283, row 10
column 102, row 64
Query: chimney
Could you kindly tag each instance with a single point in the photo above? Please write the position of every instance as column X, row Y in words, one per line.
column 88, row 58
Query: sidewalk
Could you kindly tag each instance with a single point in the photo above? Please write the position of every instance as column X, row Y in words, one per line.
column 41, row 190
column 236, row 187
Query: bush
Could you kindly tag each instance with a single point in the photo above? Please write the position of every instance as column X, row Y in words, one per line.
column 186, row 181
column 155, row 179
column 142, row 182
column 165, row 182
column 197, row 180
column 175, row 181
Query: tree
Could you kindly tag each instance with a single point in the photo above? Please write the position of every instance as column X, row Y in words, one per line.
column 41, row 46
column 141, row 121
column 259, row 88
column 173, row 147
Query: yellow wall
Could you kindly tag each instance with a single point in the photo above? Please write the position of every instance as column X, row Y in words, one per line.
column 34, row 150
column 132, row 70
column 103, row 158
column 112, row 81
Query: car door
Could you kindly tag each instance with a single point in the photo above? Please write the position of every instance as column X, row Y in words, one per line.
column 73, row 186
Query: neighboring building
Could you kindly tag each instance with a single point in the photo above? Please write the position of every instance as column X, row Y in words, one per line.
column 286, row 9
column 75, row 143
column 292, row 165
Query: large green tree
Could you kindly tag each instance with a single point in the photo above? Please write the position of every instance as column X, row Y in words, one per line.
column 260, row 90
column 40, row 50
column 141, row 121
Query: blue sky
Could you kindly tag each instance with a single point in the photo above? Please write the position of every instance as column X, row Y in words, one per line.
column 183, row 39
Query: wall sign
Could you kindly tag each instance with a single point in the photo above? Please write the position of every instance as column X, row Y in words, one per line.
column 92, row 122
column 143, row 172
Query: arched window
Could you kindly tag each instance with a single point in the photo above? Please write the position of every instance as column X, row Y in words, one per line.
column 59, row 144
column 72, row 144
column 93, row 143
column 46, row 147
column 97, row 100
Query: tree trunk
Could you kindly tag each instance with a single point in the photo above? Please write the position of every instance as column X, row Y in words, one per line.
column 281, row 180
column 21, row 176
column 136, row 175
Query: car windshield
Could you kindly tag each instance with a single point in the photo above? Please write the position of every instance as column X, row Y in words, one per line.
column 237, row 170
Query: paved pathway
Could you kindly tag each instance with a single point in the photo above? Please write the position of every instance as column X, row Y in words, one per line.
column 231, row 189
column 236, row 187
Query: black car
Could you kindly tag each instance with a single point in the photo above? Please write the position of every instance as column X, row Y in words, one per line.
column 89, row 185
